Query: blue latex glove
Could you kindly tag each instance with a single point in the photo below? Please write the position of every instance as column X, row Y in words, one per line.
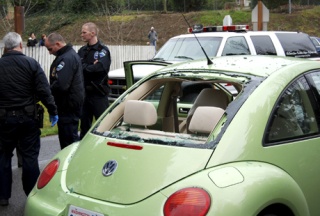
column 53, row 120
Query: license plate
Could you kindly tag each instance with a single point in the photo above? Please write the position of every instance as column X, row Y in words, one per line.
column 77, row 211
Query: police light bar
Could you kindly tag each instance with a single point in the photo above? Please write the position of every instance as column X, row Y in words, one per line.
column 231, row 28
column 196, row 28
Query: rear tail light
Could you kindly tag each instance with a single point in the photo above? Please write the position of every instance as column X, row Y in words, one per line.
column 110, row 82
column 48, row 173
column 188, row 201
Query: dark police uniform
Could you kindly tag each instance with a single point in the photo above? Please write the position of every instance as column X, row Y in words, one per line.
column 22, row 82
column 95, row 81
column 67, row 87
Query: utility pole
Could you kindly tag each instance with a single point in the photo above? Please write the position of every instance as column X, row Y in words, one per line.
column 19, row 19
column 260, row 15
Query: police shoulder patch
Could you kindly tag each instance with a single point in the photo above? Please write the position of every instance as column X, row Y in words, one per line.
column 102, row 53
column 60, row 66
column 96, row 55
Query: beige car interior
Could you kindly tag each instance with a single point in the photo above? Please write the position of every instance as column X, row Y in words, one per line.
column 138, row 117
column 141, row 113
column 207, row 97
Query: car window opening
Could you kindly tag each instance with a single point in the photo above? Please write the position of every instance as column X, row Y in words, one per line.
column 174, row 112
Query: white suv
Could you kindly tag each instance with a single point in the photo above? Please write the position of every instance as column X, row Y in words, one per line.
column 219, row 41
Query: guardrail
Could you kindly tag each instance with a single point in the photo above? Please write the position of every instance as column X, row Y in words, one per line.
column 119, row 54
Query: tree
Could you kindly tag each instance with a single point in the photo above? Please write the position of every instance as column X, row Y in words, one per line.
column 272, row 4
column 3, row 8
column 188, row 5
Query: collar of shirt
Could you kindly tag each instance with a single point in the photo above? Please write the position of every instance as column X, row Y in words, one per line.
column 64, row 49
column 12, row 52
column 94, row 46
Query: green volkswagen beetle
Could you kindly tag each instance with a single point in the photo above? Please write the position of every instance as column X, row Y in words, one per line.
column 236, row 135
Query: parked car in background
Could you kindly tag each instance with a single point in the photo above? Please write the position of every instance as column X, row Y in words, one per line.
column 218, row 41
column 316, row 42
column 162, row 149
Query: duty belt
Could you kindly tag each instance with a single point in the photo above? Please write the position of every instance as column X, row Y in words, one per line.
column 11, row 113
column 27, row 110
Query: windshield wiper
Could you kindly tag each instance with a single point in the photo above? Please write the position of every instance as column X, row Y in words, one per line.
column 184, row 57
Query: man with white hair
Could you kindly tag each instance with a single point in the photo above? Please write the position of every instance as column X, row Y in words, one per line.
column 153, row 38
column 22, row 84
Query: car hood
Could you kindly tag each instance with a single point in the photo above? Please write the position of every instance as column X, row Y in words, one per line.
column 139, row 174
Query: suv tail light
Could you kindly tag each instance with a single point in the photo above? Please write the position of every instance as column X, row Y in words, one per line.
column 110, row 82
column 188, row 201
column 48, row 173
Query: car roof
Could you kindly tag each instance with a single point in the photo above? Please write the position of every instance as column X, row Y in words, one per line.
column 261, row 66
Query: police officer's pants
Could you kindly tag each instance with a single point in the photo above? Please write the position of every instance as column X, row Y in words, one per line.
column 25, row 131
column 68, row 129
column 94, row 106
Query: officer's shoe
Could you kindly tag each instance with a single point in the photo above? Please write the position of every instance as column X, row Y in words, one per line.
column 4, row 202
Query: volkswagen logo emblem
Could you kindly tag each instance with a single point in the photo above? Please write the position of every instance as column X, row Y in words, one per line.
column 109, row 168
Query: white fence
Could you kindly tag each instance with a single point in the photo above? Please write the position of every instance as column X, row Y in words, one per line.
column 119, row 54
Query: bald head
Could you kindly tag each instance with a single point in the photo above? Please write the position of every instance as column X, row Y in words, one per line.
column 91, row 27
column 89, row 33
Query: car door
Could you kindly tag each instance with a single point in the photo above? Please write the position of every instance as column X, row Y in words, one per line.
column 135, row 70
column 294, row 130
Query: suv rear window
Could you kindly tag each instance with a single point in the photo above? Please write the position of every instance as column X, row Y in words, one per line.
column 297, row 45
column 263, row 45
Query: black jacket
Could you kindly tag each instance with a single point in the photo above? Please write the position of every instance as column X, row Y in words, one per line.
column 94, row 73
column 32, row 42
column 66, row 81
column 22, row 82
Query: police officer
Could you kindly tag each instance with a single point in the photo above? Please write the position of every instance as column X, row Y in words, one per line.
column 22, row 83
column 96, row 62
column 66, row 81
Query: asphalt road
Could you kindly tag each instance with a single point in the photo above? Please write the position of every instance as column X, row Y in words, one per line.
column 49, row 147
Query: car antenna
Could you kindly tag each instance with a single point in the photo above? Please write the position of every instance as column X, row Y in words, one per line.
column 208, row 59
